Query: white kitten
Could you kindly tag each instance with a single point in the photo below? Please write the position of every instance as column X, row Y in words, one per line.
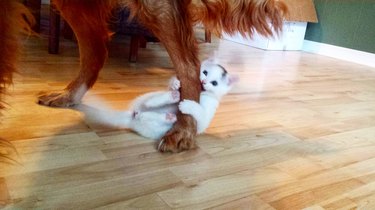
column 215, row 84
column 153, row 114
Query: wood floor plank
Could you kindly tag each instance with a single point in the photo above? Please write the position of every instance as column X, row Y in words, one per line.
column 350, row 199
column 212, row 192
column 314, row 207
column 326, row 178
column 4, row 194
column 101, row 193
column 152, row 201
column 316, row 195
column 252, row 159
column 243, row 141
column 70, row 141
column 251, row 202
column 26, row 183
column 342, row 204
column 367, row 202
column 55, row 159
column 300, row 167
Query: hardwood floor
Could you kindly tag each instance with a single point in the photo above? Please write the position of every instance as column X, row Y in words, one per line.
column 297, row 132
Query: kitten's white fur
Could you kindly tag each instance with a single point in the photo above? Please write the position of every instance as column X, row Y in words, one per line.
column 153, row 114
column 210, row 97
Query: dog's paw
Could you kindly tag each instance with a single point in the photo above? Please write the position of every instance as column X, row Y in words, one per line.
column 59, row 99
column 181, row 137
column 174, row 84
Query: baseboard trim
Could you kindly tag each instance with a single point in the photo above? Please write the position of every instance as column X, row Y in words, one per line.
column 342, row 53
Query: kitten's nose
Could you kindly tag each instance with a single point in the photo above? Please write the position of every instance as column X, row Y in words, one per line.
column 203, row 82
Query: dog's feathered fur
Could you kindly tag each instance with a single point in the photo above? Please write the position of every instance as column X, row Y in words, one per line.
column 14, row 19
column 172, row 22
column 244, row 16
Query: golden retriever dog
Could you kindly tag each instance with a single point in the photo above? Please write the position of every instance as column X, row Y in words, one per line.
column 172, row 22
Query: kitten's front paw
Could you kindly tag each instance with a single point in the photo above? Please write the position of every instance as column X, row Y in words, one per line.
column 175, row 96
column 174, row 84
column 186, row 106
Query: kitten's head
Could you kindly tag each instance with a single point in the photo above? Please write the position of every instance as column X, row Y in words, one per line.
column 215, row 79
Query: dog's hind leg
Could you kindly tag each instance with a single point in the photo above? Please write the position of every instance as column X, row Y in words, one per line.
column 171, row 23
column 88, row 20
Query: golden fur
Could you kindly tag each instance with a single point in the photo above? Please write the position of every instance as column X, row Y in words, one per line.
column 172, row 22
column 14, row 19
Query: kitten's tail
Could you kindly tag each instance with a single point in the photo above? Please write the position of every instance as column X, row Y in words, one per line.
column 106, row 117
column 119, row 119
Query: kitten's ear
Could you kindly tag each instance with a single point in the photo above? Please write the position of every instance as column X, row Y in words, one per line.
column 213, row 58
column 205, row 62
column 233, row 79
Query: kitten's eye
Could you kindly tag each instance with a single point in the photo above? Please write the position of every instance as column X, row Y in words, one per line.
column 214, row 83
column 205, row 72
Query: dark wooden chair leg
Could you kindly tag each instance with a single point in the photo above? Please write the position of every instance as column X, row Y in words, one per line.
column 54, row 31
column 134, row 45
column 67, row 31
column 207, row 36
column 143, row 42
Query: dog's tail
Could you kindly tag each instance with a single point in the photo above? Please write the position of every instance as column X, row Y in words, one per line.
column 14, row 18
column 244, row 16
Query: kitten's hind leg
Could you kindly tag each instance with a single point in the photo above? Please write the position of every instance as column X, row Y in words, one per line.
column 162, row 99
column 170, row 117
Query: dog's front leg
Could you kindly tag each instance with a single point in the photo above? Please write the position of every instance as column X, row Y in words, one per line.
column 182, row 135
column 183, row 54
column 171, row 23
column 88, row 21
